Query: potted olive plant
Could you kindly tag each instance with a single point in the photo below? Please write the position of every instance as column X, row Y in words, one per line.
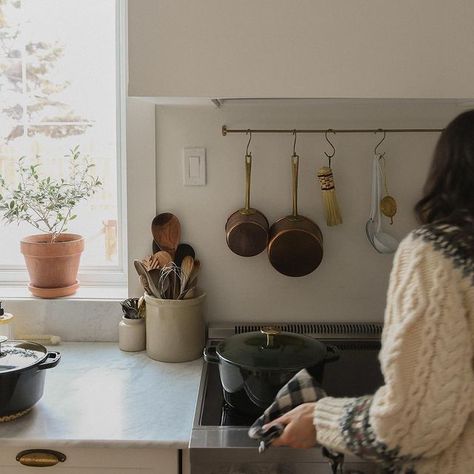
column 52, row 257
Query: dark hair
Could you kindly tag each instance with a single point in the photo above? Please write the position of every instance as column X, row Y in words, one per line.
column 448, row 194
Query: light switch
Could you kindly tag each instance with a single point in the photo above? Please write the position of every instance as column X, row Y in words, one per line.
column 194, row 166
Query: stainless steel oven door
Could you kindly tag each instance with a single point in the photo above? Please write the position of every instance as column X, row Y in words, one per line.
column 211, row 453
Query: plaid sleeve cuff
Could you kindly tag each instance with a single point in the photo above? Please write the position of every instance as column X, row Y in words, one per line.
column 328, row 415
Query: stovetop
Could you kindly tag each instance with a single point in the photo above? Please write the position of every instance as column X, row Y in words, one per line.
column 219, row 441
column 355, row 373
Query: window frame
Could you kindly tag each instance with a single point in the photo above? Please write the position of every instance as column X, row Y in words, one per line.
column 115, row 275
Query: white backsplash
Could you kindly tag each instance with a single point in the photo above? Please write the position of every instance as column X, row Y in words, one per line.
column 351, row 282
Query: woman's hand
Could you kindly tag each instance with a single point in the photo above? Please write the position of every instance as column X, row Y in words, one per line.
column 299, row 428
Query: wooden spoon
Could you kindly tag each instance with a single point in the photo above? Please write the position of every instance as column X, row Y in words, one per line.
column 144, row 283
column 186, row 269
column 192, row 280
column 142, row 271
column 181, row 252
column 161, row 259
column 166, row 231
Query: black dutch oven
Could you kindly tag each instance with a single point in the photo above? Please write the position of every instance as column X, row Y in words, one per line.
column 254, row 366
column 22, row 373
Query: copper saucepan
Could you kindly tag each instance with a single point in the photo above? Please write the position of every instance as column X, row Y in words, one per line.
column 296, row 243
column 247, row 229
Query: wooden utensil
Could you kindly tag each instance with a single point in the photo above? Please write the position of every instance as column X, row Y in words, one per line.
column 296, row 242
column 144, row 283
column 166, row 231
column 161, row 259
column 181, row 252
column 143, row 275
column 161, row 286
column 186, row 270
column 247, row 229
column 192, row 280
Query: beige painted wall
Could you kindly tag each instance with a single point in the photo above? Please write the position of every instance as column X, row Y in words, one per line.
column 301, row 48
column 351, row 282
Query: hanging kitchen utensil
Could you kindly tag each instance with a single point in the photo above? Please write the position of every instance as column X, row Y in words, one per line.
column 370, row 226
column 247, row 229
column 295, row 247
column 326, row 179
column 380, row 240
column 388, row 204
column 166, row 231
column 384, row 242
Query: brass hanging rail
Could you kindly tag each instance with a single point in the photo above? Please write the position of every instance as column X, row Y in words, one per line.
column 226, row 130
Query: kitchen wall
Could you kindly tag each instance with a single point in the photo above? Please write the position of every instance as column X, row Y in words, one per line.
column 351, row 282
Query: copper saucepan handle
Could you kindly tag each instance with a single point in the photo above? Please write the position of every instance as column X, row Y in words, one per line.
column 248, row 173
column 294, row 168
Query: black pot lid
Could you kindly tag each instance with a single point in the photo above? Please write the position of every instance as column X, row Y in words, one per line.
column 271, row 349
column 17, row 355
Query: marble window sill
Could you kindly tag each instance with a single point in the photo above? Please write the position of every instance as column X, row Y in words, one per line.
column 20, row 292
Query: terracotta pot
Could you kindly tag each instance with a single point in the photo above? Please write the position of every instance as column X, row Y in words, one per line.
column 52, row 266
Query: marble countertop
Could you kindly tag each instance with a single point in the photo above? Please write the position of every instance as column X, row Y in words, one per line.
column 99, row 396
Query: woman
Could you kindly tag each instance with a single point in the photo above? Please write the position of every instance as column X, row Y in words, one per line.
column 422, row 420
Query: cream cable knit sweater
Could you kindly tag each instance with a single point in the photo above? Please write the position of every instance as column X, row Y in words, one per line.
column 422, row 420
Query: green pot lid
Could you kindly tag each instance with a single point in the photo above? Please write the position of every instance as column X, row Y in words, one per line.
column 271, row 349
column 17, row 355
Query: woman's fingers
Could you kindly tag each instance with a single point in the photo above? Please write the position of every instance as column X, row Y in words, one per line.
column 299, row 429
column 283, row 420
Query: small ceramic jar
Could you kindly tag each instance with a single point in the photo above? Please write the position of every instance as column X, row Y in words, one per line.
column 132, row 334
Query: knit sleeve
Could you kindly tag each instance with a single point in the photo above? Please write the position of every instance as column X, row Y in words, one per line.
column 426, row 360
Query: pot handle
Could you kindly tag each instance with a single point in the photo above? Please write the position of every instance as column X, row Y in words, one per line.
column 48, row 363
column 332, row 353
column 210, row 355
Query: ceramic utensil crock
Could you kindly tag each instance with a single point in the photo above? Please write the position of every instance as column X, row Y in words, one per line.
column 175, row 330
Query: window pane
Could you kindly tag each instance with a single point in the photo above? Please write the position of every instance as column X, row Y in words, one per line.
column 10, row 29
column 101, row 207
column 58, row 93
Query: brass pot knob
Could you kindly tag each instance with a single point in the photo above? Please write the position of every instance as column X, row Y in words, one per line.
column 270, row 332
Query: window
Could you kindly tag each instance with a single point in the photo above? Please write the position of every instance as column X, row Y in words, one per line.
column 60, row 86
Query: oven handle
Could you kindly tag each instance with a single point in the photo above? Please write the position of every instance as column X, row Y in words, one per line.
column 210, row 355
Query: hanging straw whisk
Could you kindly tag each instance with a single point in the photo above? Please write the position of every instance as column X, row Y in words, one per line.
column 328, row 189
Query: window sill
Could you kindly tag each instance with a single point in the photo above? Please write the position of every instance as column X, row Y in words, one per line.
column 84, row 293
column 92, row 314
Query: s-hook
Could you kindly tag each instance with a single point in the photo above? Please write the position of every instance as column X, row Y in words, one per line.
column 332, row 146
column 249, row 132
column 380, row 142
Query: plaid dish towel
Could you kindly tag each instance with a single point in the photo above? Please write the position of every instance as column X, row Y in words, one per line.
column 302, row 388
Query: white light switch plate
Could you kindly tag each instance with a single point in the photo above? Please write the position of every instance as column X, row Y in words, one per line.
column 194, row 166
